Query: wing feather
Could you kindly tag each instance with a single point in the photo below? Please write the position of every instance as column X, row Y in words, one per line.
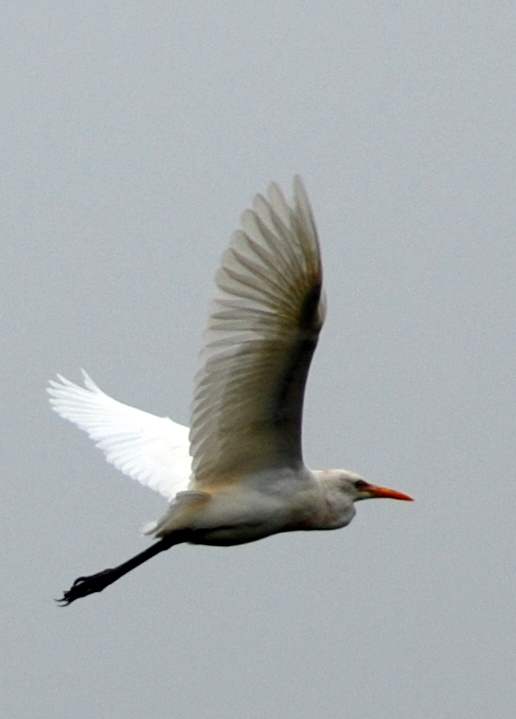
column 262, row 331
column 153, row 450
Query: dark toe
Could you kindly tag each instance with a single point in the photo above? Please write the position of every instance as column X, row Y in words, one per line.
column 86, row 585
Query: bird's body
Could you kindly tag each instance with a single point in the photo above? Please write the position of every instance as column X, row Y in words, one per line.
column 266, row 503
column 238, row 474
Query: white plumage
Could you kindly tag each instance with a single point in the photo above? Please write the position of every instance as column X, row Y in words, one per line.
column 153, row 450
column 238, row 474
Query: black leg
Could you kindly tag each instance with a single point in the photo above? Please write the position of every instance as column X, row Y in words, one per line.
column 97, row 582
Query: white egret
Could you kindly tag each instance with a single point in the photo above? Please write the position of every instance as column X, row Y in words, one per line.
column 237, row 475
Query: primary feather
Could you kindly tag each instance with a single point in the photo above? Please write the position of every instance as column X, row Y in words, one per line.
column 153, row 450
column 263, row 328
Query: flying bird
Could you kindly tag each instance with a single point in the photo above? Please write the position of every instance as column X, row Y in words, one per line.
column 237, row 475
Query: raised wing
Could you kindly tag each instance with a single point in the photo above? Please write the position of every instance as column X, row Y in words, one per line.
column 262, row 331
column 153, row 450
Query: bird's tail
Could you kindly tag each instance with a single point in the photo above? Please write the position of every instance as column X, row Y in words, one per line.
column 181, row 514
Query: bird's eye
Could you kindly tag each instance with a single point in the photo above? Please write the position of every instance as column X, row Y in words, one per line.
column 360, row 484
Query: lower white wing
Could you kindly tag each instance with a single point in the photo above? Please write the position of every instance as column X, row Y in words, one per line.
column 153, row 450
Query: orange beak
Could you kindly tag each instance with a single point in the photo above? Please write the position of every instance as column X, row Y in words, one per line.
column 375, row 491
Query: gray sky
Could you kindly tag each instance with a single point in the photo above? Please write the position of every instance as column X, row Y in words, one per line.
column 132, row 137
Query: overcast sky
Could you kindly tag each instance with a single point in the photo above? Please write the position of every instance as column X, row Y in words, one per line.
column 132, row 137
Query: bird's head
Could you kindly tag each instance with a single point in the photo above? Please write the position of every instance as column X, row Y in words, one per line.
column 357, row 488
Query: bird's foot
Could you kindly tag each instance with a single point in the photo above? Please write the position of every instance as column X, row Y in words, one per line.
column 88, row 585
